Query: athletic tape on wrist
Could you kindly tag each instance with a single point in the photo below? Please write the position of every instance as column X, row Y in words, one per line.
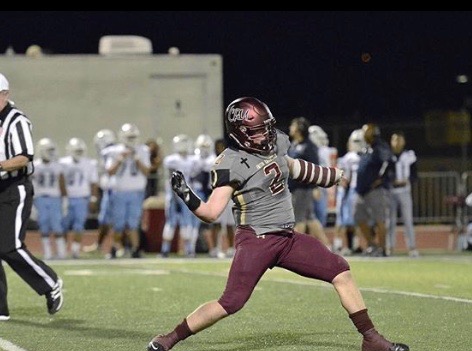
column 192, row 200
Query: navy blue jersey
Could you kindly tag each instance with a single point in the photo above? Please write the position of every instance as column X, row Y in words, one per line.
column 373, row 165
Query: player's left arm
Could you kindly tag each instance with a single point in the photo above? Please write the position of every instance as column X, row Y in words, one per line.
column 310, row 173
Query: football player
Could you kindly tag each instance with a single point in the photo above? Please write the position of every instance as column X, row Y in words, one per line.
column 129, row 164
column 81, row 176
column 103, row 140
column 254, row 172
column 50, row 193
column 176, row 211
column 346, row 241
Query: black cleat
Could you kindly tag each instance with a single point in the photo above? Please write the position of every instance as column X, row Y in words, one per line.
column 54, row 298
column 155, row 346
column 399, row 347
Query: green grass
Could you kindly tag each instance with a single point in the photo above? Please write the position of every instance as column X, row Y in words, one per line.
column 121, row 304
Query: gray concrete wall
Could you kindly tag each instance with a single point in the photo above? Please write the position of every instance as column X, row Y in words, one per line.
column 76, row 95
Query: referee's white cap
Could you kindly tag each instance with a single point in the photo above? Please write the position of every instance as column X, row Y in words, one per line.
column 4, row 83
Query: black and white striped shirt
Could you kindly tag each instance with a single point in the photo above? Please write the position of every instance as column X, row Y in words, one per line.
column 15, row 139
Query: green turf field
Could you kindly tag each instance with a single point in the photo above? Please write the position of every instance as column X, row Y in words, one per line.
column 121, row 304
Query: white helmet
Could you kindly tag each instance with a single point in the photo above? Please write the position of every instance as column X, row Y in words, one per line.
column 129, row 134
column 47, row 149
column 356, row 140
column 204, row 145
column 182, row 144
column 76, row 148
column 318, row 136
column 103, row 138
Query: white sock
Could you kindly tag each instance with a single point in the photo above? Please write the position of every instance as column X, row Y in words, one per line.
column 75, row 248
column 46, row 248
column 61, row 247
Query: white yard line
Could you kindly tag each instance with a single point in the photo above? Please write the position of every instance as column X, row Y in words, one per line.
column 8, row 346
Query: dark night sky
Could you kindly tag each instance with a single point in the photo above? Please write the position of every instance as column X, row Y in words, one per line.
column 299, row 62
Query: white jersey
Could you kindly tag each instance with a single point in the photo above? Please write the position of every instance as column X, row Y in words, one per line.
column 79, row 175
column 201, row 166
column 129, row 177
column 46, row 178
column 403, row 165
column 350, row 163
column 106, row 181
column 188, row 165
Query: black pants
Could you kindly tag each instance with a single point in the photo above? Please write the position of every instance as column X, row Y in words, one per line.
column 16, row 200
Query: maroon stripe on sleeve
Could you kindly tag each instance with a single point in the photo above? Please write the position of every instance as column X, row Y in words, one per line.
column 316, row 174
column 324, row 175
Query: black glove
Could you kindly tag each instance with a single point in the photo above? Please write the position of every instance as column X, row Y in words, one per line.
column 181, row 188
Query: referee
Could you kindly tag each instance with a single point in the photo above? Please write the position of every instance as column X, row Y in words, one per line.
column 16, row 199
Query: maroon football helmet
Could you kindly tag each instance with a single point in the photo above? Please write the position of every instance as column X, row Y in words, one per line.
column 247, row 119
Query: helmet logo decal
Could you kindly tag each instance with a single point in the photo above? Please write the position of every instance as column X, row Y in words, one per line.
column 237, row 114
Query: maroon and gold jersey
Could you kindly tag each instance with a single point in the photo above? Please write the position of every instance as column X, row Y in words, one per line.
column 261, row 197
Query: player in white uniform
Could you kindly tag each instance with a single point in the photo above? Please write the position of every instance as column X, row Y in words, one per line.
column 204, row 157
column 81, row 178
column 128, row 163
column 176, row 212
column 103, row 140
column 320, row 138
column 345, row 234
column 49, row 188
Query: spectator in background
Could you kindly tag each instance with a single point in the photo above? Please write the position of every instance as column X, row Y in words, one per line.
column 373, row 189
column 49, row 195
column 129, row 164
column 156, row 162
column 403, row 168
column 468, row 237
column 81, row 176
column 152, row 184
column 302, row 194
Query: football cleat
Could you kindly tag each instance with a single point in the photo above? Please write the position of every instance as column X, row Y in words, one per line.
column 373, row 341
column 54, row 298
column 399, row 347
column 155, row 346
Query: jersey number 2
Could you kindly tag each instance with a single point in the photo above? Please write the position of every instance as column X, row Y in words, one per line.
column 276, row 184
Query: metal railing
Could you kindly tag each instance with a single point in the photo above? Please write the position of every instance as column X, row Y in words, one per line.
column 438, row 197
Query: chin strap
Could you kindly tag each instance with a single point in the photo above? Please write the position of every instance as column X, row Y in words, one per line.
column 310, row 173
